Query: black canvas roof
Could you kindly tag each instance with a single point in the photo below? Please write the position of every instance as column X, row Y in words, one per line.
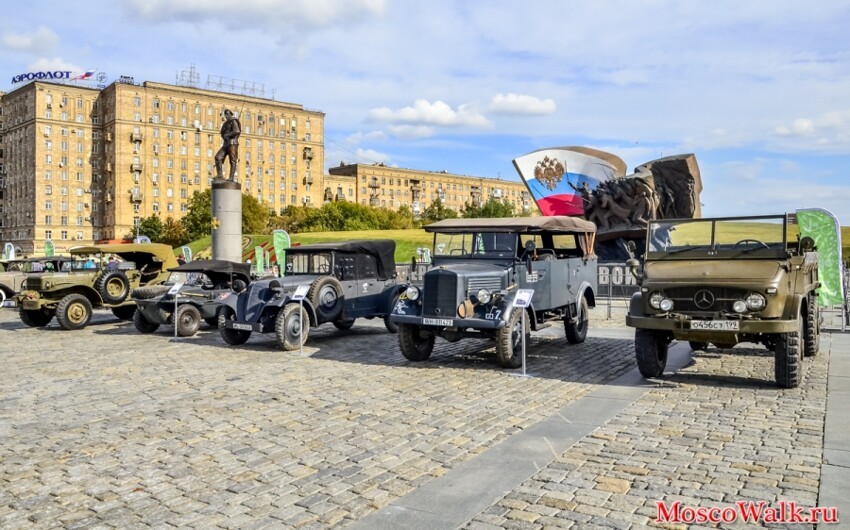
column 522, row 225
column 382, row 249
column 216, row 268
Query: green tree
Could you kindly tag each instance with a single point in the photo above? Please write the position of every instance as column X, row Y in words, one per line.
column 174, row 234
column 151, row 227
column 437, row 211
column 492, row 208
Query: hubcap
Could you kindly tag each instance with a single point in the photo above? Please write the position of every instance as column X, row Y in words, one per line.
column 76, row 313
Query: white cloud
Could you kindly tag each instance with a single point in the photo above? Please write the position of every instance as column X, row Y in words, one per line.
column 439, row 114
column 830, row 131
column 521, row 104
column 41, row 40
column 56, row 63
column 269, row 14
column 370, row 155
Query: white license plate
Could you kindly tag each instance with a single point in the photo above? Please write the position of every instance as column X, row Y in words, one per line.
column 437, row 321
column 244, row 327
column 716, row 325
column 10, row 303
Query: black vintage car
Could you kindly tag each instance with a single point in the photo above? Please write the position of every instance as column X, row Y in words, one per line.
column 204, row 281
column 347, row 281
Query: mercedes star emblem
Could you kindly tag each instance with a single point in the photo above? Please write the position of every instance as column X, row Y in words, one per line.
column 704, row 299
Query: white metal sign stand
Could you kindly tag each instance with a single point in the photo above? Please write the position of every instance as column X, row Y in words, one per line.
column 300, row 293
column 173, row 291
column 521, row 302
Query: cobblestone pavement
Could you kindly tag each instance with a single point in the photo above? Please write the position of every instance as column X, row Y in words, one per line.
column 715, row 433
column 106, row 428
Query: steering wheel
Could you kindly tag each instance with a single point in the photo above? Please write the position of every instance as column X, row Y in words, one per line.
column 748, row 241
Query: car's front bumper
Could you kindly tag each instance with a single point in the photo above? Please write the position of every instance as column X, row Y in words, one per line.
column 443, row 323
column 681, row 326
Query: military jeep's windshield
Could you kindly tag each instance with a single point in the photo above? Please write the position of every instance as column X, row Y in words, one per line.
column 475, row 245
column 744, row 237
column 308, row 263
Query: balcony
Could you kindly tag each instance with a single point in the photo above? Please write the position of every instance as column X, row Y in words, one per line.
column 340, row 196
column 136, row 197
column 415, row 185
column 308, row 153
column 135, row 167
column 136, row 137
column 308, row 180
column 374, row 184
column 374, row 201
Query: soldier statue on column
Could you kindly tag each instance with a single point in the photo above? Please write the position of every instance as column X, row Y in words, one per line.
column 230, row 131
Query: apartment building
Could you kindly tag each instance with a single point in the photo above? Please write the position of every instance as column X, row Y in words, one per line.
column 79, row 164
column 391, row 187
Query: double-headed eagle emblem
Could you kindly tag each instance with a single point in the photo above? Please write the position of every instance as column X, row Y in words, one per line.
column 549, row 172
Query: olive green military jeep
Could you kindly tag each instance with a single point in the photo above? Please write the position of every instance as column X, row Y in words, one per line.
column 724, row 281
column 86, row 284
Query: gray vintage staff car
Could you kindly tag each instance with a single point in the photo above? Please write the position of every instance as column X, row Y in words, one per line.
column 348, row 280
column 204, row 281
column 723, row 281
column 478, row 267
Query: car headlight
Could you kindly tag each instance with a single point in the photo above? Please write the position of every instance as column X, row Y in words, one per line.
column 483, row 296
column 755, row 302
column 47, row 285
column 739, row 306
column 412, row 293
column 666, row 304
column 655, row 300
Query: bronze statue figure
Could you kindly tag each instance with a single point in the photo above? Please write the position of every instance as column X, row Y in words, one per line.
column 230, row 131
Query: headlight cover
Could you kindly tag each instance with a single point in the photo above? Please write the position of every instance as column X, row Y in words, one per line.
column 655, row 299
column 756, row 302
column 483, row 296
column 412, row 293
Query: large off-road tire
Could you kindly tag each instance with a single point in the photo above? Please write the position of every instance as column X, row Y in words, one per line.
column 292, row 327
column 151, row 291
column 141, row 323
column 113, row 286
column 326, row 296
column 74, row 312
column 696, row 345
column 576, row 332
column 124, row 312
column 234, row 337
column 187, row 319
column 509, row 340
column 412, row 344
column 788, row 358
column 344, row 324
column 651, row 352
column 36, row 318
column 812, row 328
column 391, row 326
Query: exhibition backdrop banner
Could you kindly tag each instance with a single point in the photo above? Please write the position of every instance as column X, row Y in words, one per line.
column 822, row 226
column 187, row 253
column 8, row 251
column 281, row 241
column 49, row 249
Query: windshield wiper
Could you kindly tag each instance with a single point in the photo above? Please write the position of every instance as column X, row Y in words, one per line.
column 683, row 249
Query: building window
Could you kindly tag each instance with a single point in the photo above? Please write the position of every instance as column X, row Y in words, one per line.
column 63, row 235
column 48, row 234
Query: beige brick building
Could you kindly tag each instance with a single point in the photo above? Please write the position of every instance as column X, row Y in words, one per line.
column 79, row 164
column 392, row 187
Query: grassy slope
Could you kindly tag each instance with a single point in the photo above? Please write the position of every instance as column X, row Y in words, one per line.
column 407, row 241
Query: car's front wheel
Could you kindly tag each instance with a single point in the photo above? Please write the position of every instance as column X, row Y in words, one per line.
column 415, row 344
column 812, row 329
column 187, row 320
column 141, row 323
column 788, row 358
column 576, row 331
column 343, row 325
column 74, row 312
column 651, row 352
column 124, row 312
column 696, row 345
column 292, row 327
column 234, row 337
column 509, row 340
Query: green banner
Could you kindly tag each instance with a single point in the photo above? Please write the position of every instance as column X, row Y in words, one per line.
column 281, row 241
column 258, row 260
column 49, row 249
column 823, row 227
column 187, row 253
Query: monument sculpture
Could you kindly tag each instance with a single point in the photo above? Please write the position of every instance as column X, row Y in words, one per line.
column 583, row 181
column 227, row 195
column 230, row 131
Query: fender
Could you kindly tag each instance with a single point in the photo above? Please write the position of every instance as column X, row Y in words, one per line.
column 585, row 290
column 308, row 307
column 793, row 305
column 509, row 309
column 636, row 304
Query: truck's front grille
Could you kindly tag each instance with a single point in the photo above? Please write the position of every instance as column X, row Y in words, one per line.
column 705, row 298
column 33, row 284
column 439, row 294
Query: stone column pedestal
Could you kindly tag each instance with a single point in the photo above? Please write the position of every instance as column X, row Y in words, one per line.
column 227, row 220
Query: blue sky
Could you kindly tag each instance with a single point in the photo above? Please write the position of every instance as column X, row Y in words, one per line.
column 758, row 90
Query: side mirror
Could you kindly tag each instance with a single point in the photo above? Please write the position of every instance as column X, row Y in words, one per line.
column 631, row 248
column 633, row 265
